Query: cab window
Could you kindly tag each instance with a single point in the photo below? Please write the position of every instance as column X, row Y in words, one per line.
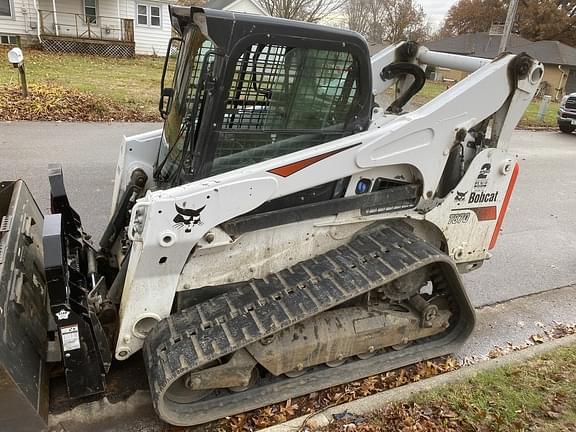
column 283, row 99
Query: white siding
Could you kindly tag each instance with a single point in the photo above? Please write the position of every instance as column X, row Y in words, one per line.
column 148, row 39
column 151, row 40
column 244, row 6
column 70, row 15
column 22, row 21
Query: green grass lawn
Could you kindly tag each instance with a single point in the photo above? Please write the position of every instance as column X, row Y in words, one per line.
column 538, row 395
column 432, row 89
column 531, row 115
column 133, row 82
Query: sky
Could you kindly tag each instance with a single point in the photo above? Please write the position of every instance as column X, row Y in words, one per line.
column 436, row 10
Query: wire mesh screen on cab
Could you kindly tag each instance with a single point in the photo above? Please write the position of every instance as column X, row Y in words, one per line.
column 282, row 100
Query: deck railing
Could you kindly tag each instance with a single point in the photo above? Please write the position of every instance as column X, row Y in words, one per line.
column 74, row 25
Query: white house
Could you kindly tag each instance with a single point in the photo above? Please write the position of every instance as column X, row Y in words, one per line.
column 248, row 6
column 103, row 27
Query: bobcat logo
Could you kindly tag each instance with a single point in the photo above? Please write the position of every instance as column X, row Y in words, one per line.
column 187, row 218
column 460, row 196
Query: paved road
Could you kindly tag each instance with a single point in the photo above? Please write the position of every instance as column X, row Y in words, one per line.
column 536, row 251
column 87, row 152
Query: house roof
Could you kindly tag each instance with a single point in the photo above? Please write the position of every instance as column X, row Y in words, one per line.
column 226, row 4
column 475, row 44
column 486, row 46
column 553, row 52
column 218, row 4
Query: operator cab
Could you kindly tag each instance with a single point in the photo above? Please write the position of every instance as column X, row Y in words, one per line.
column 248, row 88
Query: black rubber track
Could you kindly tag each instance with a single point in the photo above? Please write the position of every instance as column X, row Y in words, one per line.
column 193, row 337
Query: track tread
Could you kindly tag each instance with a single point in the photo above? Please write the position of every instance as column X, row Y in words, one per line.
column 193, row 337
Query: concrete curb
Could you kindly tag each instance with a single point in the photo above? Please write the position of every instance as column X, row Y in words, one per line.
column 376, row 401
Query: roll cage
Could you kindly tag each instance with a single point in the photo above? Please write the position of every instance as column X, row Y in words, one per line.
column 262, row 87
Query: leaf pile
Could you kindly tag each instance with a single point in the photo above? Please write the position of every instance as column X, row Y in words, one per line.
column 318, row 401
column 56, row 103
column 561, row 329
column 556, row 331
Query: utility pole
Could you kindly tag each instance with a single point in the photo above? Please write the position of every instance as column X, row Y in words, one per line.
column 510, row 17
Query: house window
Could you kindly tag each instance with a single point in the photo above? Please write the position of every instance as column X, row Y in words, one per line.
column 142, row 14
column 89, row 11
column 148, row 15
column 155, row 16
column 8, row 40
column 5, row 8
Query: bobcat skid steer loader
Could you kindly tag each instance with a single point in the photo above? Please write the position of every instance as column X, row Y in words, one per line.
column 282, row 234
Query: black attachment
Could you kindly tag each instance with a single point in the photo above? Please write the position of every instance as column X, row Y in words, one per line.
column 397, row 70
column 118, row 222
column 24, row 315
column 59, row 201
column 85, row 352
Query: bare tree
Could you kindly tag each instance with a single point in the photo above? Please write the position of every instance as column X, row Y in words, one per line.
column 382, row 21
column 366, row 17
column 302, row 10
